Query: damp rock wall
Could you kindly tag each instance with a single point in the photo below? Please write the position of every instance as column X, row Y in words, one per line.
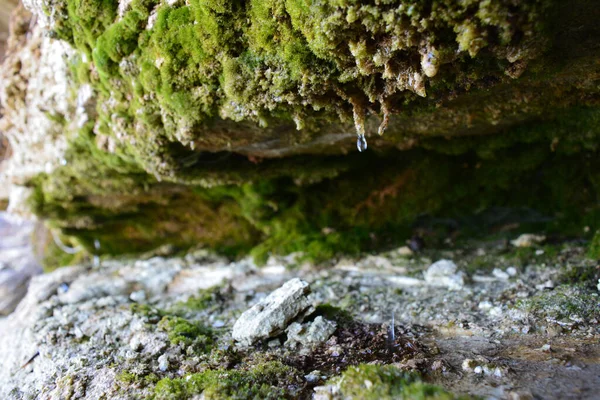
column 233, row 124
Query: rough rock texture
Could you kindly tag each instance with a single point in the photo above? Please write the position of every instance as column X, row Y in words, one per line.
column 6, row 8
column 18, row 262
column 310, row 333
column 180, row 114
column 271, row 316
column 86, row 331
column 34, row 93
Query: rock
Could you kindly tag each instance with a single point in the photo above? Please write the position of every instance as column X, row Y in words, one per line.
column 270, row 316
column 546, row 285
column 405, row 251
column 250, row 111
column 546, row 348
column 498, row 273
column 93, row 286
column 315, row 376
column 443, row 273
column 310, row 333
column 163, row 362
column 34, row 89
column 17, row 261
column 527, row 240
column 138, row 296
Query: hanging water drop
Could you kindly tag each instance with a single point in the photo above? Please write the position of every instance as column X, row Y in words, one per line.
column 361, row 143
column 359, row 124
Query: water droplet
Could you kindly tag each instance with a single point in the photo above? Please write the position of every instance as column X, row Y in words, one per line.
column 63, row 287
column 361, row 143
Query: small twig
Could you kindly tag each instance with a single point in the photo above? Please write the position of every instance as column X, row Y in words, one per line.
column 37, row 353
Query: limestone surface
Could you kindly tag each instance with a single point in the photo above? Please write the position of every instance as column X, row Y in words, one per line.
column 496, row 337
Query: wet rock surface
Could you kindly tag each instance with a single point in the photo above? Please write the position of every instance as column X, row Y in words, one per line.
column 499, row 335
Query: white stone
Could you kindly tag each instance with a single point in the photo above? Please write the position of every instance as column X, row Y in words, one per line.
column 443, row 273
column 498, row 273
column 163, row 363
column 271, row 315
column 528, row 240
column 405, row 251
column 138, row 296
column 546, row 285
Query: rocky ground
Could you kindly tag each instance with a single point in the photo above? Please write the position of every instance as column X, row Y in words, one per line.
column 487, row 318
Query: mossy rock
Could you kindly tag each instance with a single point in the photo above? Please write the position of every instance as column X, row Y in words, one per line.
column 232, row 124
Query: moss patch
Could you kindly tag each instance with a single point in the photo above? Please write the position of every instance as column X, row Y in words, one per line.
column 270, row 380
column 186, row 333
column 367, row 381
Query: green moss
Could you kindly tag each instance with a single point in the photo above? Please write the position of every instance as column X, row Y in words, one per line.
column 187, row 333
column 204, row 299
column 289, row 62
column 594, row 247
column 130, row 378
column 182, row 102
column 367, row 381
column 269, row 380
column 147, row 311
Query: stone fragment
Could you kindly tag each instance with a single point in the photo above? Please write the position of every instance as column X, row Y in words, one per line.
column 138, row 296
column 443, row 273
column 310, row 333
column 546, row 285
column 527, row 240
column 502, row 275
column 405, row 251
column 163, row 362
column 481, row 367
column 271, row 315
